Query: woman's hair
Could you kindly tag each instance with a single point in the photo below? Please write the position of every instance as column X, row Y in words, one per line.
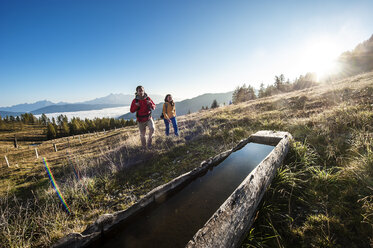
column 137, row 88
column 165, row 99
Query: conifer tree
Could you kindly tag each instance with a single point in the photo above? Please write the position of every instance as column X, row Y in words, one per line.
column 65, row 130
column 243, row 93
column 214, row 104
column 261, row 92
column 51, row 131
column 1, row 123
column 44, row 120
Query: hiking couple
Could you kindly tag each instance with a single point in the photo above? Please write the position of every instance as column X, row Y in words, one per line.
column 143, row 105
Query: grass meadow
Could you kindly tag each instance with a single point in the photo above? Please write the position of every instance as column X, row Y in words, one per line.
column 322, row 195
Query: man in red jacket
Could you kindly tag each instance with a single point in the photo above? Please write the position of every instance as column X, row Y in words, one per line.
column 143, row 106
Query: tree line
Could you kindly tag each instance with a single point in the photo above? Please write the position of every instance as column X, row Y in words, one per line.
column 214, row 104
column 358, row 60
column 62, row 127
column 280, row 85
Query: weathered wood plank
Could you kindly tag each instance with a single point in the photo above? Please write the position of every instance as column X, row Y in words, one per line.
column 228, row 225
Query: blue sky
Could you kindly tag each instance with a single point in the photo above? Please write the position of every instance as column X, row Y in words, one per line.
column 77, row 50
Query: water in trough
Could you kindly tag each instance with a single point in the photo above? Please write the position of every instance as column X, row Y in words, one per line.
column 175, row 220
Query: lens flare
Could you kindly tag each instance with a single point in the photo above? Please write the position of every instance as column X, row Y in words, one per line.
column 55, row 186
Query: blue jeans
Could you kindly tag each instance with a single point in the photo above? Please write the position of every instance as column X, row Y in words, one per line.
column 174, row 124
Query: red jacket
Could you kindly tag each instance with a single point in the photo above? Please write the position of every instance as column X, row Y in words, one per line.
column 144, row 111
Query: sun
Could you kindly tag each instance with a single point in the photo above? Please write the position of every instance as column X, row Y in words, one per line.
column 320, row 55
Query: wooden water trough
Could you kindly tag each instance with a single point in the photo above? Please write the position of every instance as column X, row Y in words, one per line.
column 227, row 226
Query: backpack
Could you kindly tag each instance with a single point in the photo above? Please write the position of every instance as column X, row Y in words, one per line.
column 143, row 116
column 162, row 116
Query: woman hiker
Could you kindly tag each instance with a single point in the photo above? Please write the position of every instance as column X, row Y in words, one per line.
column 169, row 114
column 143, row 106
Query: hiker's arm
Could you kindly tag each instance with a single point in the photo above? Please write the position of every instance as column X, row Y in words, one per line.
column 151, row 103
column 164, row 111
column 134, row 106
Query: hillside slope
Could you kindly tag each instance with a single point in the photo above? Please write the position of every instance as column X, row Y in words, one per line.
column 320, row 197
column 358, row 60
column 189, row 105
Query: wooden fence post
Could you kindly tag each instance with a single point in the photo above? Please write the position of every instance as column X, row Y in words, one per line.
column 15, row 142
column 36, row 153
column 6, row 160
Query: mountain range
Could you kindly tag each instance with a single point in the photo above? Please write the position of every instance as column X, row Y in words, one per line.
column 120, row 99
column 28, row 107
column 189, row 105
column 115, row 100
column 45, row 106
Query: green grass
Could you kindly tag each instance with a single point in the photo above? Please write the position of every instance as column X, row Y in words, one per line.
column 321, row 196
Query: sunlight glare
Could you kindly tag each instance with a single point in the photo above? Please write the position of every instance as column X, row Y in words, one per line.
column 320, row 55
